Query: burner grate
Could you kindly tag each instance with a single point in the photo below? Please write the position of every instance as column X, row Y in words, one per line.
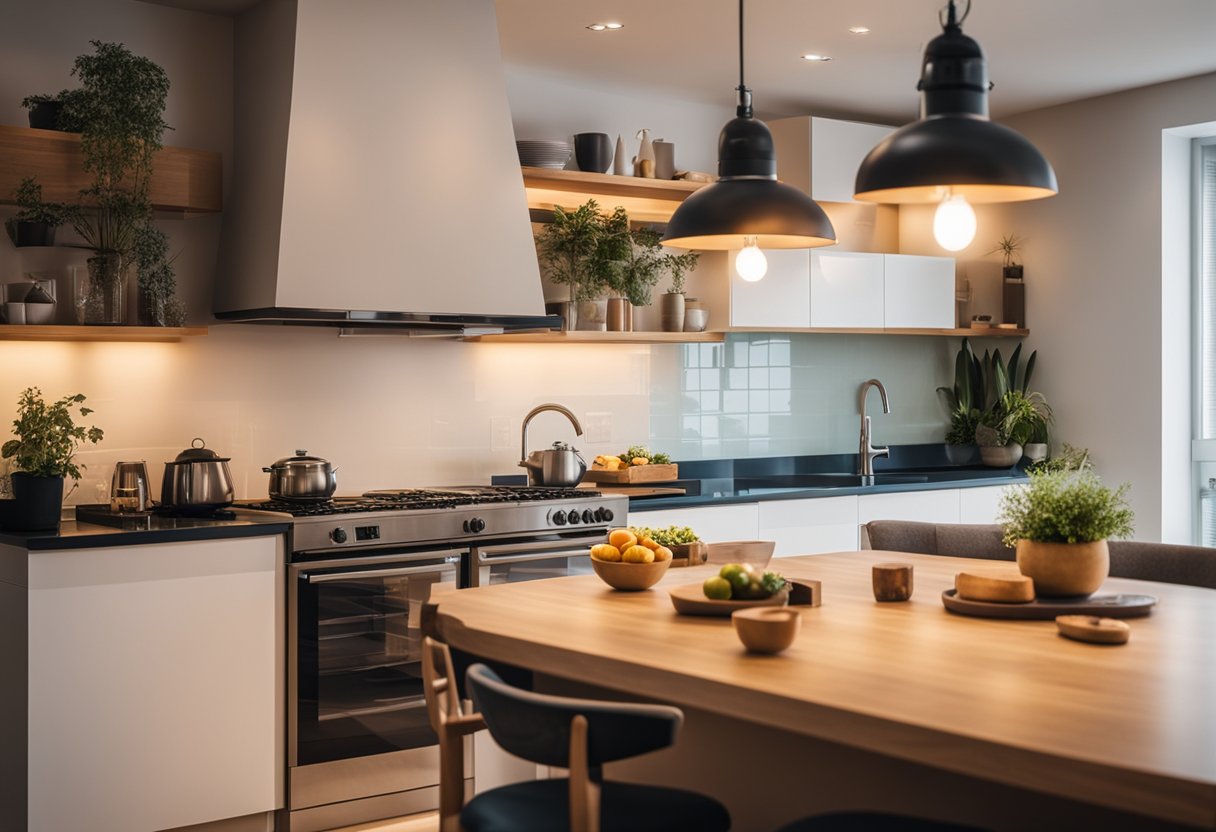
column 417, row 499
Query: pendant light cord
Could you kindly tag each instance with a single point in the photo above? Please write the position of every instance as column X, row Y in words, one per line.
column 949, row 17
column 744, row 107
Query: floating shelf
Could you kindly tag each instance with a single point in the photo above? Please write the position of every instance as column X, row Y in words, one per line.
column 648, row 200
column 987, row 332
column 19, row 332
column 183, row 180
column 592, row 337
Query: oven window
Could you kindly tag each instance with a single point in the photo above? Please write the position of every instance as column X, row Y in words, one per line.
column 359, row 663
column 534, row 570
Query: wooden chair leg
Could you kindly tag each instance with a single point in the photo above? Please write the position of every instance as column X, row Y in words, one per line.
column 584, row 792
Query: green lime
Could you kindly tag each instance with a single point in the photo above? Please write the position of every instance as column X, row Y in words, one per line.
column 717, row 588
column 738, row 576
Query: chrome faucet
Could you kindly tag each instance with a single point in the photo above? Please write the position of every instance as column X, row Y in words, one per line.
column 866, row 452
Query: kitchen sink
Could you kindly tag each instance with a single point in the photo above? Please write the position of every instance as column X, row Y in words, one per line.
column 788, row 481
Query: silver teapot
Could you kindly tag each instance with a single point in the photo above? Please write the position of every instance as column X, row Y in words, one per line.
column 558, row 467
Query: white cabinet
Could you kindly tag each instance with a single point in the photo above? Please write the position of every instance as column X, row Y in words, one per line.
column 155, row 684
column 918, row 292
column 924, row 506
column 821, row 155
column 847, row 290
column 713, row 524
column 810, row 527
column 981, row 505
column 781, row 299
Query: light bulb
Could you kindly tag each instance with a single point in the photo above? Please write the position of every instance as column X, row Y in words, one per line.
column 954, row 223
column 750, row 262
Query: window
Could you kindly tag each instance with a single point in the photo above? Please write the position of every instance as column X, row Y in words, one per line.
column 1204, row 354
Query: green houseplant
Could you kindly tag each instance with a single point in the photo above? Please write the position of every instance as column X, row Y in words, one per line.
column 49, row 112
column 580, row 249
column 47, row 438
column 1008, row 247
column 672, row 303
column 1060, row 523
column 35, row 223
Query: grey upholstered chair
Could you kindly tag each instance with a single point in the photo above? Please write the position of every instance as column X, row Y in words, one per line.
column 582, row 735
column 1165, row 562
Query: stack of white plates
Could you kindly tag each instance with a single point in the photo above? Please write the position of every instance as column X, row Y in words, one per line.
column 542, row 154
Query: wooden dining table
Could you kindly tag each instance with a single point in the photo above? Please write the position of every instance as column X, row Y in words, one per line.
column 897, row 706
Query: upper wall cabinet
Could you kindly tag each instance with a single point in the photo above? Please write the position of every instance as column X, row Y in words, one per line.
column 918, row 292
column 781, row 299
column 847, row 290
column 821, row 155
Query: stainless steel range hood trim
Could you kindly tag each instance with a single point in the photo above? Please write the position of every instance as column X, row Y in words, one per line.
column 390, row 322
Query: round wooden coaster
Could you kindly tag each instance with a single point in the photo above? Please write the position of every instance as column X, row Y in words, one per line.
column 1093, row 629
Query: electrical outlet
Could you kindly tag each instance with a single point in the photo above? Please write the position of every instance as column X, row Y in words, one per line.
column 502, row 435
column 597, row 428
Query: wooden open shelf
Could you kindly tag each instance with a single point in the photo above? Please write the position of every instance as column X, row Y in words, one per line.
column 591, row 337
column 183, row 180
column 19, row 332
column 647, row 200
column 987, row 332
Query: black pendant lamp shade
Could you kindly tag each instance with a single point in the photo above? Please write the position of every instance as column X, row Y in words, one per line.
column 954, row 147
column 747, row 205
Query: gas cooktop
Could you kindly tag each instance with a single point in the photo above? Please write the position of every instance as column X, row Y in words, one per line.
column 417, row 499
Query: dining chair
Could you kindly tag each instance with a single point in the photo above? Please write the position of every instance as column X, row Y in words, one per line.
column 450, row 722
column 1165, row 562
column 580, row 735
column 872, row 822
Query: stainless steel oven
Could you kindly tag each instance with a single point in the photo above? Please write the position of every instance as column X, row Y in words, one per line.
column 358, row 727
column 551, row 556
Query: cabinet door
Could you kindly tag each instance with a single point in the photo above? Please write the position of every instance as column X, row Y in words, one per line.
column 810, row 527
column 924, row 506
column 713, row 524
column 981, row 505
column 846, row 289
column 837, row 150
column 918, row 292
column 155, row 684
column 781, row 299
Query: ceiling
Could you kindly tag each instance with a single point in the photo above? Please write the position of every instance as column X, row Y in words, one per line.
column 1040, row 52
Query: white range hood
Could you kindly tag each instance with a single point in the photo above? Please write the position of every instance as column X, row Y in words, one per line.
column 376, row 178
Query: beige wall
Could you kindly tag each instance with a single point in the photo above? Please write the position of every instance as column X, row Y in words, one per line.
column 1095, row 287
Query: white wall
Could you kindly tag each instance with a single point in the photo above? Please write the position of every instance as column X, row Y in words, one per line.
column 1095, row 286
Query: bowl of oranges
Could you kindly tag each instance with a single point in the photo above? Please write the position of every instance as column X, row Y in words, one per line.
column 629, row 563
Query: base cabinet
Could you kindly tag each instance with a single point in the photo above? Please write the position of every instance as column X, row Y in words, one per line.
column 810, row 527
column 155, row 679
column 981, row 505
column 713, row 524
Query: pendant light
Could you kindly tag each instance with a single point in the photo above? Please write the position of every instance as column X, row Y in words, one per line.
column 954, row 155
column 747, row 208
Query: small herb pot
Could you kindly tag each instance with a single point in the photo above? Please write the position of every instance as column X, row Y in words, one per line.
column 1064, row 569
column 37, row 503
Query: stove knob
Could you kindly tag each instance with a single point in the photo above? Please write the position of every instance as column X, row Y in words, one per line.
column 573, row 517
column 477, row 525
column 588, row 517
column 605, row 514
column 338, row 535
column 559, row 518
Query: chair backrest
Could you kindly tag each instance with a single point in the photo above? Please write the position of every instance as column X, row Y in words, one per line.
column 1165, row 562
column 537, row 726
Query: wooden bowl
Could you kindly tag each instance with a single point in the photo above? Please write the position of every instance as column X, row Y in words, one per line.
column 630, row 576
column 766, row 629
column 690, row 600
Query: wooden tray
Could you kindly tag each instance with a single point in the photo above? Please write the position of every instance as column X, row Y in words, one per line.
column 690, row 600
column 1045, row 609
column 634, row 474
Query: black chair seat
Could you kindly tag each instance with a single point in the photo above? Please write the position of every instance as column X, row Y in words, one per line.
column 872, row 822
column 542, row 806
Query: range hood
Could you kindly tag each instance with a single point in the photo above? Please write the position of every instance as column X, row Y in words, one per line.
column 376, row 183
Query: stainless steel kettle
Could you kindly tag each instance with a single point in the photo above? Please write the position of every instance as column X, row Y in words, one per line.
column 198, row 480
column 558, row 467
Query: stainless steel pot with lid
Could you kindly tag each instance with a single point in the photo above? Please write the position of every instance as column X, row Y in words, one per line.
column 198, row 480
column 302, row 478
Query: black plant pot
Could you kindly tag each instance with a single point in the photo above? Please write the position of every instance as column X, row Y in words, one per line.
column 37, row 503
column 31, row 233
column 45, row 115
column 593, row 151
column 1012, row 272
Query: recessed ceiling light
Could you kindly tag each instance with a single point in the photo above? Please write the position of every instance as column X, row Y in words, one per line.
column 816, row 58
column 860, row 30
column 606, row 27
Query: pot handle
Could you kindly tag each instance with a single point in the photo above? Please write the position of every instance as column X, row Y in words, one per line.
column 268, row 470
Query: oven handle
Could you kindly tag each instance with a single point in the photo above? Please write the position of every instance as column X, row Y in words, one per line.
column 537, row 551
column 378, row 573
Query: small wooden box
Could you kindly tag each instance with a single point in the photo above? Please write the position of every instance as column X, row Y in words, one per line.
column 634, row 474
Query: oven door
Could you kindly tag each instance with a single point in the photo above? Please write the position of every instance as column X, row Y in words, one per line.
column 499, row 563
column 355, row 654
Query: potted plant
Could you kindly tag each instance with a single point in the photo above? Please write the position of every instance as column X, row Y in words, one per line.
column 35, row 223
column 1013, row 290
column 157, row 280
column 964, row 402
column 638, row 270
column 1008, row 247
column 48, row 112
column 1005, row 428
column 46, row 441
column 576, row 250
column 672, row 304
column 1060, row 523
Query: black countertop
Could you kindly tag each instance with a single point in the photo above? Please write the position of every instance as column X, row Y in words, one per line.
column 73, row 534
column 758, row 479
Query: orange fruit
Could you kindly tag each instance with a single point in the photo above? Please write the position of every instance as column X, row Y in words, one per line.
column 662, row 553
column 605, row 551
column 649, row 544
column 622, row 538
column 637, row 554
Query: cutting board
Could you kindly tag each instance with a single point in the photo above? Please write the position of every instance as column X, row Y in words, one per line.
column 636, row 490
column 634, row 474
column 1123, row 605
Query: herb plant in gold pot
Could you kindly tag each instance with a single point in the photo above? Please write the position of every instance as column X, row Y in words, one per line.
column 1060, row 523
